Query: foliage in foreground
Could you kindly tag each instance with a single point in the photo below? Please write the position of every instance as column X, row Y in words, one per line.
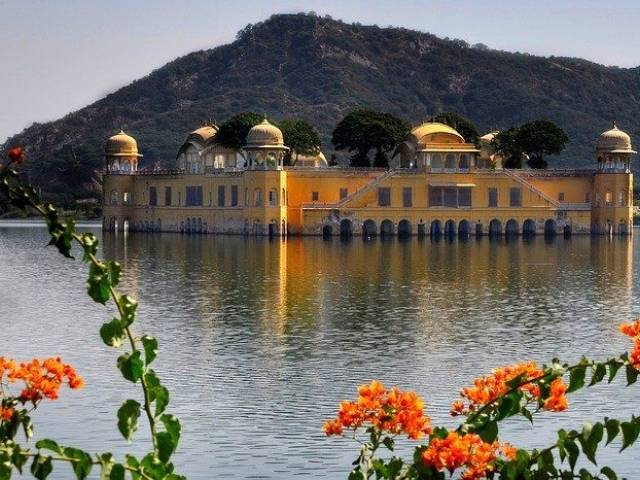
column 42, row 379
column 474, row 450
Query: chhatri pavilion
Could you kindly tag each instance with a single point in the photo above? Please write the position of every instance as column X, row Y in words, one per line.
column 437, row 184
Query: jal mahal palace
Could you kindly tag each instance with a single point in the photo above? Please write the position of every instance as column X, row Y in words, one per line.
column 438, row 184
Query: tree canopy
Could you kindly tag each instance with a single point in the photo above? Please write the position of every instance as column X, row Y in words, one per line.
column 540, row 138
column 463, row 126
column 233, row 132
column 505, row 144
column 534, row 140
column 301, row 137
column 363, row 130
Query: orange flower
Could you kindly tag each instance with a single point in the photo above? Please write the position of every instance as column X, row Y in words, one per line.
column 16, row 154
column 557, row 400
column 392, row 411
column 458, row 408
column 489, row 388
column 632, row 330
column 41, row 378
column 6, row 414
column 509, row 451
column 468, row 452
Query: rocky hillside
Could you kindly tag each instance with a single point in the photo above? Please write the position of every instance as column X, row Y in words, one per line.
column 317, row 69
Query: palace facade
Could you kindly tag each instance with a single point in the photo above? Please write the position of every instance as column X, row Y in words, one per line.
column 438, row 184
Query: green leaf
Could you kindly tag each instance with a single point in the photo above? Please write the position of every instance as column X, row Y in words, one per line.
column 5, row 469
column 128, row 415
column 106, row 464
column 128, row 305
column 572, row 452
column 585, row 475
column 610, row 474
column 98, row 283
column 157, row 393
column 613, row 370
column 19, row 458
column 524, row 411
column 589, row 440
column 153, row 467
column 114, row 271
column 598, row 374
column 47, row 444
column 172, row 426
column 489, row 432
column 132, row 462
column 356, row 475
column 509, row 405
column 117, row 472
column 632, row 374
column 389, row 443
column 576, row 378
column 27, row 426
column 166, row 446
column 150, row 345
column 82, row 464
column 131, row 366
column 562, row 436
column 613, row 428
column 630, row 431
column 112, row 333
column 41, row 467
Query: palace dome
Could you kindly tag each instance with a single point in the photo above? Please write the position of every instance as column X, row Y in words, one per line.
column 430, row 128
column 265, row 134
column 488, row 137
column 615, row 141
column 205, row 132
column 122, row 145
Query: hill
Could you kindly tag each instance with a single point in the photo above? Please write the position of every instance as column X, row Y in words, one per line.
column 319, row 68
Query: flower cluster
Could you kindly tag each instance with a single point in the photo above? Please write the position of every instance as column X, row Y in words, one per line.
column 389, row 410
column 632, row 330
column 491, row 387
column 468, row 452
column 16, row 155
column 41, row 378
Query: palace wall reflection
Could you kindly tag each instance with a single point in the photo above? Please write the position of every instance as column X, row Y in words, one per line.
column 415, row 287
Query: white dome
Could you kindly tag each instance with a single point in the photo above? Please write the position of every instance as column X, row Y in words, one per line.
column 614, row 140
column 265, row 135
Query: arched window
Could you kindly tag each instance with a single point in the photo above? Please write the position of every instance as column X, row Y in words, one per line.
column 451, row 161
column 464, row 161
column 126, row 198
column 622, row 198
column 257, row 197
column 273, row 197
column 436, row 161
column 113, row 199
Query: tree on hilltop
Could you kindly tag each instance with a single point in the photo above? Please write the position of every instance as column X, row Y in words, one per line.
column 462, row 125
column 363, row 130
column 301, row 137
column 540, row 138
column 532, row 140
column 505, row 144
column 233, row 132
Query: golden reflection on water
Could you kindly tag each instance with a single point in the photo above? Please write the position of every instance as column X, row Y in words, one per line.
column 301, row 279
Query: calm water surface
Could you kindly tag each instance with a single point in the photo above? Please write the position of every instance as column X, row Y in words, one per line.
column 261, row 339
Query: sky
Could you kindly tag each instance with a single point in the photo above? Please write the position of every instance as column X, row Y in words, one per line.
column 57, row 56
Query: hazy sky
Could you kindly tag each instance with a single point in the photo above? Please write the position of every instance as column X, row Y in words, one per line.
column 57, row 56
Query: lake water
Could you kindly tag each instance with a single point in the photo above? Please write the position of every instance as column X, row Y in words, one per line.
column 261, row 339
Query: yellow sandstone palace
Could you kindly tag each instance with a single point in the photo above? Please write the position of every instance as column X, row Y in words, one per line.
column 438, row 184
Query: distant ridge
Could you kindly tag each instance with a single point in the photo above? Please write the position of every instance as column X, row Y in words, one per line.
column 318, row 68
